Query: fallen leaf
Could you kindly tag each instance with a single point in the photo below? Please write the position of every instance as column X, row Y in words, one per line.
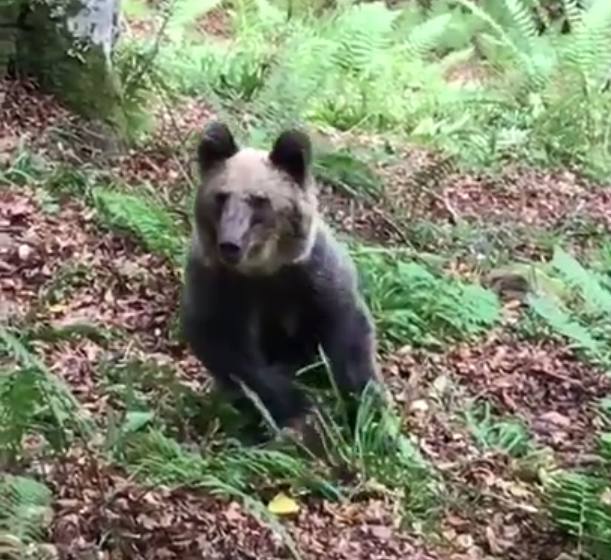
column 556, row 418
column 283, row 505
column 381, row 532
column 24, row 252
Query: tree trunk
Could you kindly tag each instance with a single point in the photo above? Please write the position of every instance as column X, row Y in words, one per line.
column 9, row 13
column 67, row 46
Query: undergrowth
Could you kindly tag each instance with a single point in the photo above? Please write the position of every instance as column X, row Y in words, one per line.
column 413, row 305
column 25, row 513
column 542, row 96
column 576, row 307
column 579, row 501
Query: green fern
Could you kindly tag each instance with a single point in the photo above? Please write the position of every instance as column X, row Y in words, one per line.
column 145, row 218
column 583, row 320
column 344, row 171
column 424, row 37
column 588, row 50
column 362, row 33
column 579, row 504
column 164, row 461
column 522, row 17
column 25, row 511
column 413, row 305
column 32, row 400
column 561, row 322
column 597, row 297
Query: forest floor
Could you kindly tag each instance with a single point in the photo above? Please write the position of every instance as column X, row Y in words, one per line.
column 59, row 267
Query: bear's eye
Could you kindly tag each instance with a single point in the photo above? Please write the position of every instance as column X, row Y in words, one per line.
column 260, row 209
column 259, row 202
column 220, row 199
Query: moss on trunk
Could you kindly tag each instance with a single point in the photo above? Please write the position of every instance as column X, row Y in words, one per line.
column 75, row 70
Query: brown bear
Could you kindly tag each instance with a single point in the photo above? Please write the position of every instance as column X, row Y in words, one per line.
column 266, row 283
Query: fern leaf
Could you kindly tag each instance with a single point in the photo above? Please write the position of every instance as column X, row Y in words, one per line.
column 573, row 12
column 562, row 322
column 596, row 296
column 148, row 220
column 498, row 29
column 577, row 506
column 24, row 509
column 588, row 49
column 522, row 17
column 425, row 36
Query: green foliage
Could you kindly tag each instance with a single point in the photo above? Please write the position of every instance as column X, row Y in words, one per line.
column 376, row 455
column 34, row 402
column 369, row 67
column 506, row 435
column 559, row 80
column 347, row 173
column 235, row 471
column 164, row 461
column 413, row 305
column 184, row 13
column 145, row 218
column 584, row 318
column 25, row 511
column 579, row 504
column 379, row 453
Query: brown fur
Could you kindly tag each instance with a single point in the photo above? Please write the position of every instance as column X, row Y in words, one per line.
column 266, row 283
column 287, row 233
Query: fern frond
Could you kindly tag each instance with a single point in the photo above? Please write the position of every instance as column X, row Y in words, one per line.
column 573, row 12
column 33, row 400
column 577, row 505
column 146, row 218
column 496, row 27
column 563, row 323
column 363, row 32
column 588, row 48
column 596, row 296
column 522, row 18
column 425, row 36
column 412, row 304
column 24, row 510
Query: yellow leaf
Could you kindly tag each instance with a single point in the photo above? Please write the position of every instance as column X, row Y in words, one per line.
column 283, row 505
column 57, row 308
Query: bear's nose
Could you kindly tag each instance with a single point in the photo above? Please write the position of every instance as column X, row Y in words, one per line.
column 231, row 252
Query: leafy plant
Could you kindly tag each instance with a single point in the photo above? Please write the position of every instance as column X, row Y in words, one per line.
column 145, row 218
column 413, row 305
column 378, row 453
column 584, row 317
column 25, row 510
column 347, row 173
column 507, row 435
column 32, row 401
column 579, row 504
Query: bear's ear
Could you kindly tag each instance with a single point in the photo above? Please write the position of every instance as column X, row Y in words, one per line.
column 216, row 146
column 292, row 152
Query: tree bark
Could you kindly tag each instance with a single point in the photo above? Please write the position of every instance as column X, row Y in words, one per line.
column 67, row 45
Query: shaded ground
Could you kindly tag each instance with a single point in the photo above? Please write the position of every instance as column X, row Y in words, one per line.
column 58, row 267
column 94, row 500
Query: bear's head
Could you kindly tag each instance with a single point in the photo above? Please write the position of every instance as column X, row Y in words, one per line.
column 255, row 211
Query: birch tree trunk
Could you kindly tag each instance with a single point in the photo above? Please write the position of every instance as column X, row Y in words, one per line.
column 67, row 46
